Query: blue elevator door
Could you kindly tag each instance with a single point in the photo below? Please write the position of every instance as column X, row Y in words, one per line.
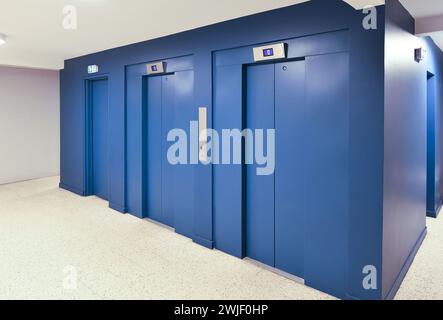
column 159, row 177
column 274, row 203
column 169, row 187
column 260, row 189
column 154, row 149
column 168, row 123
column 100, row 156
column 183, row 175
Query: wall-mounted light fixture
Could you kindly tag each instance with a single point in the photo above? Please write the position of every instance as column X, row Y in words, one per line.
column 420, row 54
column 2, row 38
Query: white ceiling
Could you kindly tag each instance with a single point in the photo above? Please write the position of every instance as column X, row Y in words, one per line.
column 37, row 39
column 424, row 10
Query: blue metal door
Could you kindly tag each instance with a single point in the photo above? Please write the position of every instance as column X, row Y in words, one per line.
column 260, row 189
column 100, row 157
column 274, row 203
column 297, row 219
column 160, row 119
column 168, row 123
column 169, row 106
column 154, row 150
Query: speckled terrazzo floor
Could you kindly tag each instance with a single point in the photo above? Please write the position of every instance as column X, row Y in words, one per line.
column 424, row 280
column 50, row 237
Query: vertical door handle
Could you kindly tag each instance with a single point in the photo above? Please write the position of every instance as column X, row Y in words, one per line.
column 202, row 127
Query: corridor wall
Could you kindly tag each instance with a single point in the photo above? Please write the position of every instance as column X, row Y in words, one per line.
column 405, row 136
column 365, row 209
column 29, row 124
column 434, row 66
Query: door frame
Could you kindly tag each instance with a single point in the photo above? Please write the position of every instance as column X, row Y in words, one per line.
column 431, row 209
column 88, row 160
column 135, row 73
column 228, row 216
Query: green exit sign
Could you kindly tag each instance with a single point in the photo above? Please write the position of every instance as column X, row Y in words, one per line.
column 93, row 69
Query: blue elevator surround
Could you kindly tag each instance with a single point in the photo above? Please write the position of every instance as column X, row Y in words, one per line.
column 296, row 219
column 384, row 222
column 168, row 105
column 283, row 214
column 405, row 127
column 98, row 107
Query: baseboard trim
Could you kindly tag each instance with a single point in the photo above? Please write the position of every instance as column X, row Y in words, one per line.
column 431, row 214
column 397, row 283
column 71, row 189
column 438, row 211
column 203, row 242
column 276, row 271
column 434, row 214
column 117, row 207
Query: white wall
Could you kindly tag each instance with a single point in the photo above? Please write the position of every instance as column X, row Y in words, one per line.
column 29, row 124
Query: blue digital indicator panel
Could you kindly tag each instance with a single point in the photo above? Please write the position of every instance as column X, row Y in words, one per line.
column 154, row 68
column 268, row 52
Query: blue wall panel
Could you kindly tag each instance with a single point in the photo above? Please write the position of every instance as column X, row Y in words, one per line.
column 134, row 144
column 434, row 65
column 183, row 175
column 327, row 172
column 365, row 155
column 290, row 147
column 405, row 150
column 227, row 208
column 117, row 133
